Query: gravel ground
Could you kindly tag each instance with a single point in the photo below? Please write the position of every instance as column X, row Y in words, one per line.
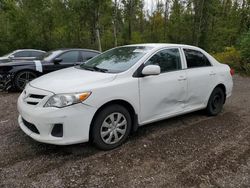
column 188, row 151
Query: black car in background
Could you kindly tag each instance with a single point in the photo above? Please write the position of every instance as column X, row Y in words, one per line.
column 23, row 54
column 16, row 74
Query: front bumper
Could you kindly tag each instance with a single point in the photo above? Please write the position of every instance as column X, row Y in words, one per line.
column 75, row 121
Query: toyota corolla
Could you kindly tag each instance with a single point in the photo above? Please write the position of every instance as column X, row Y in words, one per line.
column 111, row 95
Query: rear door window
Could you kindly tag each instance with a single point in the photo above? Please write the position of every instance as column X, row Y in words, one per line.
column 36, row 54
column 195, row 59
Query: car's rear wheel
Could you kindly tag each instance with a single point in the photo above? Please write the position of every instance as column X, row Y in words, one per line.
column 111, row 127
column 216, row 102
column 22, row 78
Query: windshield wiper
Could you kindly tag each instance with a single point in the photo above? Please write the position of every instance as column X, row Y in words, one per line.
column 88, row 68
column 95, row 68
column 100, row 69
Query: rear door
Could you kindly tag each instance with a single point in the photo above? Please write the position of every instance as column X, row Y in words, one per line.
column 36, row 54
column 164, row 94
column 200, row 76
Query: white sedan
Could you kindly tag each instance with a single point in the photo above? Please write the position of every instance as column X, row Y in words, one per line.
column 111, row 95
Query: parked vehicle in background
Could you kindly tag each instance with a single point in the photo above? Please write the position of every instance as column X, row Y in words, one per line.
column 23, row 54
column 112, row 94
column 17, row 74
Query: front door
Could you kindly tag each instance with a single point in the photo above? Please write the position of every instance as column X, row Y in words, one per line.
column 164, row 94
column 68, row 59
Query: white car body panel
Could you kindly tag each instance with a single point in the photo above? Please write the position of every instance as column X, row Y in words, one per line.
column 153, row 98
column 157, row 99
column 80, row 80
column 44, row 118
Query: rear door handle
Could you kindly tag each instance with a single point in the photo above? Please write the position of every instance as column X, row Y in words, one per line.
column 182, row 78
column 212, row 73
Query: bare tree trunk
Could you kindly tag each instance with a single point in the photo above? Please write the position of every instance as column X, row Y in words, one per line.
column 115, row 34
column 115, row 22
column 141, row 17
column 131, row 13
column 98, row 28
column 242, row 16
column 200, row 23
column 98, row 39
column 166, row 18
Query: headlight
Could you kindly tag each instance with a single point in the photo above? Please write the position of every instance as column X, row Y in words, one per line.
column 63, row 100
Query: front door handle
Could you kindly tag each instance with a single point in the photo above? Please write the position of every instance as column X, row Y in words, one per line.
column 182, row 78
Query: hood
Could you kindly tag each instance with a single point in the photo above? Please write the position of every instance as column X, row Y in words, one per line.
column 71, row 80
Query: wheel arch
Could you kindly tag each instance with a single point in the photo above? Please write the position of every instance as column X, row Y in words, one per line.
column 26, row 69
column 19, row 71
column 124, row 103
column 223, row 87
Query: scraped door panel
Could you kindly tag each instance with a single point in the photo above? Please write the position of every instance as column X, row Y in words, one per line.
column 201, row 78
column 162, row 95
column 200, row 84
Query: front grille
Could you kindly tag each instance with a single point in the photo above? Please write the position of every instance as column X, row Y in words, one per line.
column 30, row 126
column 34, row 99
column 34, row 96
column 32, row 103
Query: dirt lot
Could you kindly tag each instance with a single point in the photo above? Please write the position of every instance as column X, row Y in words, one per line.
column 188, row 151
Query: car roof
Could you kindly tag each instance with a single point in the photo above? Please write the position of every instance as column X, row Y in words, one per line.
column 19, row 50
column 160, row 45
column 83, row 49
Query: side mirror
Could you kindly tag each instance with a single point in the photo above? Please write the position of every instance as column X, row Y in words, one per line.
column 57, row 60
column 11, row 57
column 151, row 70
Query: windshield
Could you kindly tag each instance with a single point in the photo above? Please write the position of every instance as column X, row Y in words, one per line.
column 116, row 60
column 49, row 55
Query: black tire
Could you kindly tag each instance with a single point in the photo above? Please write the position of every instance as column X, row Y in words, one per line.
column 22, row 78
column 98, row 126
column 216, row 102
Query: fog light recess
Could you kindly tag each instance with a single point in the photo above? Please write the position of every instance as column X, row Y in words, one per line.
column 57, row 130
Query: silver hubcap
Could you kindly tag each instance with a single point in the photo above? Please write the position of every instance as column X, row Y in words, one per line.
column 113, row 128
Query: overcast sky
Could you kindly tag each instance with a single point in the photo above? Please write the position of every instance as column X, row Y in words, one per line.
column 150, row 5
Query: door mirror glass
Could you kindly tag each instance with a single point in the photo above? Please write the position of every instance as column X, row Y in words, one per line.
column 57, row 60
column 151, row 70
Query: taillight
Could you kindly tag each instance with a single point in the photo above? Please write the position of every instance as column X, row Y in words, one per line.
column 231, row 71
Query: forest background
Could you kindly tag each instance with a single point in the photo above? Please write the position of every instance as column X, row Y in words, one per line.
column 221, row 27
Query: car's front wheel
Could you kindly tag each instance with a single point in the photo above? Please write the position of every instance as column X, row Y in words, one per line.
column 22, row 78
column 111, row 127
column 216, row 102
